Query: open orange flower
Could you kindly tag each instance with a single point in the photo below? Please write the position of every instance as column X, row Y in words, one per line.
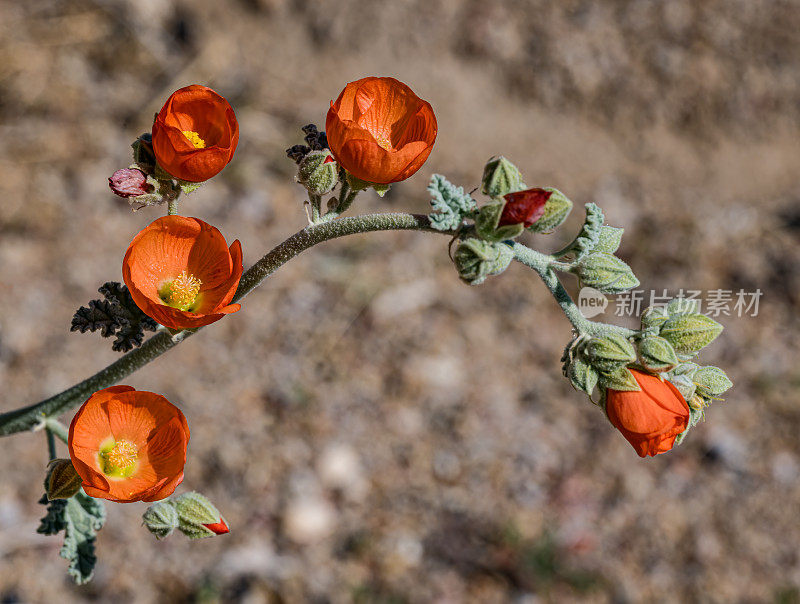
column 651, row 418
column 195, row 134
column 380, row 131
column 128, row 445
column 181, row 272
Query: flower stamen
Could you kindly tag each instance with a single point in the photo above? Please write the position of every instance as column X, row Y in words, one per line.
column 119, row 459
column 195, row 139
column 181, row 292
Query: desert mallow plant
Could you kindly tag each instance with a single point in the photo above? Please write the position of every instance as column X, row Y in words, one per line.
column 180, row 275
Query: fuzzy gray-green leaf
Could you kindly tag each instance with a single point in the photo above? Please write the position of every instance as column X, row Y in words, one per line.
column 450, row 204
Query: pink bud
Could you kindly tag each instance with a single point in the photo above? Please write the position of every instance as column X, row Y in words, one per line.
column 129, row 182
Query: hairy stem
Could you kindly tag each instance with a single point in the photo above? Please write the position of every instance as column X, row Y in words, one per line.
column 27, row 418
column 545, row 266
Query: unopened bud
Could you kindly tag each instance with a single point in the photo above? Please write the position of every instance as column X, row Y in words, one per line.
column 318, row 172
column 500, row 177
column 711, row 381
column 606, row 273
column 130, row 182
column 62, row 480
column 476, row 259
column 690, row 333
column 198, row 517
column 161, row 518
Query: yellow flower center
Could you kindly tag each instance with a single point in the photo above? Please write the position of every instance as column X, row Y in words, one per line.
column 195, row 139
column 181, row 292
column 118, row 458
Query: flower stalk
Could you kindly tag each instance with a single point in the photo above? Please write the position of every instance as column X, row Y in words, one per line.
column 27, row 418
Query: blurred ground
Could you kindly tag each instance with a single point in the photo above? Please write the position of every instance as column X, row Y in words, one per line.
column 373, row 430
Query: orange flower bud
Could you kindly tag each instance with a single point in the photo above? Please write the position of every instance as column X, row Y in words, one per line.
column 651, row 418
column 380, row 131
column 128, row 445
column 195, row 134
column 181, row 272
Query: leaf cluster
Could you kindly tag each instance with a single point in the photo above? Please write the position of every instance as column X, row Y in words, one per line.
column 116, row 314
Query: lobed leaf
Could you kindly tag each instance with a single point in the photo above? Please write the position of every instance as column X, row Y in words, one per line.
column 80, row 517
column 450, row 204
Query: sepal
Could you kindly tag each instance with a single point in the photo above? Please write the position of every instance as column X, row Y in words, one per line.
column 486, row 224
column 582, row 376
column 609, row 353
column 656, row 354
column 621, row 379
column 556, row 210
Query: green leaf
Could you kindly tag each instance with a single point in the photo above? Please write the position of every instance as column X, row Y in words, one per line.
column 609, row 239
column 450, row 204
column 80, row 517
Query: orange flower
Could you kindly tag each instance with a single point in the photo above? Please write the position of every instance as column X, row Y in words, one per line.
column 651, row 418
column 128, row 445
column 380, row 131
column 181, row 273
column 195, row 134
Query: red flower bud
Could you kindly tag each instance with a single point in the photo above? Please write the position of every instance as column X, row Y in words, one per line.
column 524, row 207
column 218, row 528
column 651, row 418
column 129, row 182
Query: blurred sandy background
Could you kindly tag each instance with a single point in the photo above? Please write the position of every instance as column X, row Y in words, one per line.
column 373, row 430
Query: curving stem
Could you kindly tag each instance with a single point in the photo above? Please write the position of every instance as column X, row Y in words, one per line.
column 28, row 418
